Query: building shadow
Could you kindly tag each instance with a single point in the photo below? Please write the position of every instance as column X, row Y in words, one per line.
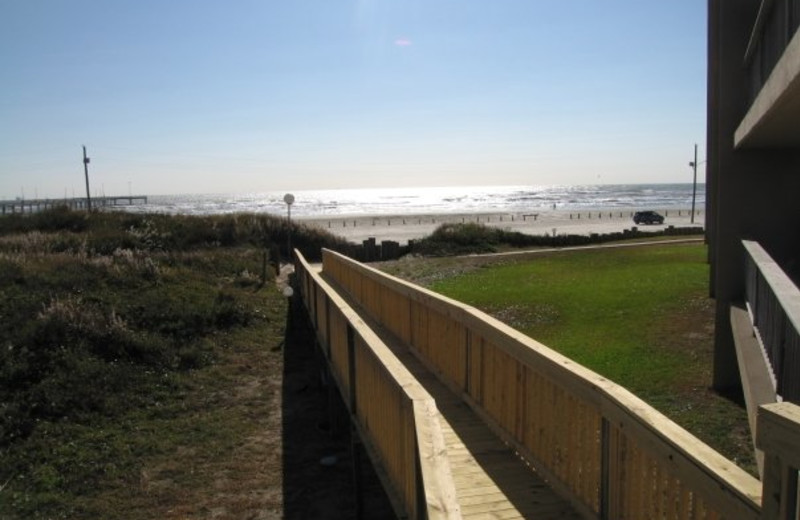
column 318, row 453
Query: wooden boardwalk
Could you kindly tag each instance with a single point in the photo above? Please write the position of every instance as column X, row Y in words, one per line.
column 466, row 417
column 491, row 481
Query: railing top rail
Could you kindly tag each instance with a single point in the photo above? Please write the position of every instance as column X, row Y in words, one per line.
column 784, row 289
column 778, row 431
column 664, row 436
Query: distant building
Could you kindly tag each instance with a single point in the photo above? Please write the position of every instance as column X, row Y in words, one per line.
column 753, row 170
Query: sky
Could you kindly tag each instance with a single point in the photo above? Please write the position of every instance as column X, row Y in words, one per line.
column 236, row 96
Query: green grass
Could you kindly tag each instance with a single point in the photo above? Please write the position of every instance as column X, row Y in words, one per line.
column 638, row 316
column 602, row 308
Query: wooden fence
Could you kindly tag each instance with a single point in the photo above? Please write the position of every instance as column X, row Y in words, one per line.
column 773, row 301
column 395, row 416
column 610, row 453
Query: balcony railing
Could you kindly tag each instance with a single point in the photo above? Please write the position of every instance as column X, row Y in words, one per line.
column 776, row 24
column 773, row 301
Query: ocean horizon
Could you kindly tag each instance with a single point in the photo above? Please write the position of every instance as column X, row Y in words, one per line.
column 442, row 200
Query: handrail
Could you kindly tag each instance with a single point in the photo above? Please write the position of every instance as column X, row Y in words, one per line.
column 773, row 301
column 610, row 453
column 396, row 417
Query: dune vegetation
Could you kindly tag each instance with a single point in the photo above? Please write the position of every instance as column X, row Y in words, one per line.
column 119, row 337
column 474, row 238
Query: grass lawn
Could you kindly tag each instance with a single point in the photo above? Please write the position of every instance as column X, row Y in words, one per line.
column 638, row 316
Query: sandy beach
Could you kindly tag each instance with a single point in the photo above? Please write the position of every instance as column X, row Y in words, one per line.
column 402, row 228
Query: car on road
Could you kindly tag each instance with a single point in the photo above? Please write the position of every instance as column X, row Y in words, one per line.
column 648, row 217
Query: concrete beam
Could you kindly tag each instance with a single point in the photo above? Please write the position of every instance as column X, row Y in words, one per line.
column 757, row 381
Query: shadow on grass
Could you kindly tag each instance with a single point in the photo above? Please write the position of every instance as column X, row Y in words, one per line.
column 318, row 473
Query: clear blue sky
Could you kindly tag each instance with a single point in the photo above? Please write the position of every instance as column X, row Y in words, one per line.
column 200, row 96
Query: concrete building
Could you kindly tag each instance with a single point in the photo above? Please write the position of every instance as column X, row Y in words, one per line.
column 753, row 170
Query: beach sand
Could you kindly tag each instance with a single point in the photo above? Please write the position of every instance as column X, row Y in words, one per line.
column 402, row 228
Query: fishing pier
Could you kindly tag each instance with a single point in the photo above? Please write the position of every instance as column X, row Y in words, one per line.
column 10, row 207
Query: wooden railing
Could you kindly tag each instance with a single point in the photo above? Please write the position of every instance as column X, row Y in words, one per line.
column 610, row 453
column 396, row 417
column 773, row 301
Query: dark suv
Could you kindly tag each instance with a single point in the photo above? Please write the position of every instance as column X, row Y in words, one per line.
column 647, row 217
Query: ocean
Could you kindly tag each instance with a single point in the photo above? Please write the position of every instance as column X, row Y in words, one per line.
column 437, row 201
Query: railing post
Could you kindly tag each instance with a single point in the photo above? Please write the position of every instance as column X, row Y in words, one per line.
column 605, row 457
column 467, row 361
column 780, row 490
column 351, row 369
column 309, row 286
column 422, row 505
column 356, row 448
column 328, row 327
column 314, row 306
column 781, row 324
column 355, row 442
column 778, row 435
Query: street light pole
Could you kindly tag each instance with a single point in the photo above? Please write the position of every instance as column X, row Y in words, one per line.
column 86, row 174
column 289, row 200
column 694, row 181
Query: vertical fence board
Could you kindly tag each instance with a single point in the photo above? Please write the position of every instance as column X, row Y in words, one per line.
column 339, row 358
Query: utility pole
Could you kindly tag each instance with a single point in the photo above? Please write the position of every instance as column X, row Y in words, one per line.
column 86, row 172
column 693, row 164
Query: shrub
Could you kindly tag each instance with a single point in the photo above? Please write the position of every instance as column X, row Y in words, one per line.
column 458, row 239
column 228, row 312
column 60, row 218
column 473, row 238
